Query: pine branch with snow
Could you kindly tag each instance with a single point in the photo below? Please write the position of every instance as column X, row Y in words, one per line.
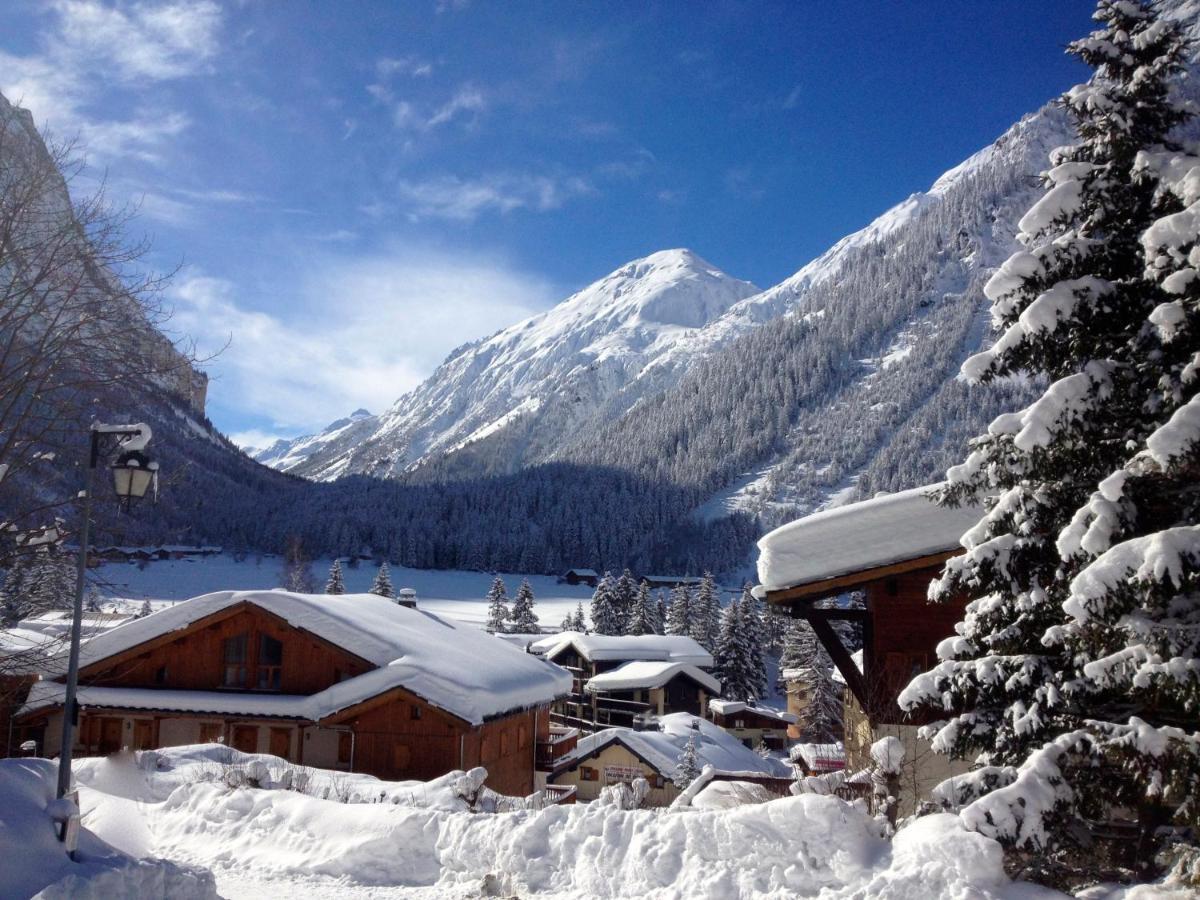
column 679, row 616
column 705, row 613
column 1073, row 678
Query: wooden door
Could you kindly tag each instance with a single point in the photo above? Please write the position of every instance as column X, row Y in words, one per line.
column 245, row 738
column 143, row 734
column 110, row 735
column 281, row 742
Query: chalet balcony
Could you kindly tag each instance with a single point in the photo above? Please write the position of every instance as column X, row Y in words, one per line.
column 562, row 741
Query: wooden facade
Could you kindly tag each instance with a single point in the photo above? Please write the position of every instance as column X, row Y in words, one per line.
column 244, row 651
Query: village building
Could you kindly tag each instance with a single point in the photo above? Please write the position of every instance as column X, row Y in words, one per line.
column 590, row 577
column 751, row 724
column 355, row 682
column 621, row 755
column 619, row 680
column 817, row 759
column 889, row 548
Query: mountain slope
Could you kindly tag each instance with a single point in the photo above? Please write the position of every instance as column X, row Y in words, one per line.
column 549, row 373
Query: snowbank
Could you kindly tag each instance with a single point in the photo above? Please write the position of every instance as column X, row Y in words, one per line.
column 35, row 863
column 292, row 843
column 860, row 536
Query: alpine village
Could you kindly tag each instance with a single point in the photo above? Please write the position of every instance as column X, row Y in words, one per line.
column 883, row 582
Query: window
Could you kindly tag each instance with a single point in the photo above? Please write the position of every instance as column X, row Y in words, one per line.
column 588, row 773
column 233, row 652
column 414, row 712
column 270, row 663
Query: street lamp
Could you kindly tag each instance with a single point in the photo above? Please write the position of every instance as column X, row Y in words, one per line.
column 133, row 475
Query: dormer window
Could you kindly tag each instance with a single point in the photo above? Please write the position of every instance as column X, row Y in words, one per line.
column 270, row 663
column 233, row 651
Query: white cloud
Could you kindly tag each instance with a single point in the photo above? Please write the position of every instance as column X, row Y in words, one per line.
column 359, row 331
column 468, row 100
column 457, row 199
column 93, row 44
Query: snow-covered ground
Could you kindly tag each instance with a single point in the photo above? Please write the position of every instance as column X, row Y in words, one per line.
column 456, row 594
column 278, row 843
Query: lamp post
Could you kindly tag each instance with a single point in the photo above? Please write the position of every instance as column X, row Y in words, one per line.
column 133, row 474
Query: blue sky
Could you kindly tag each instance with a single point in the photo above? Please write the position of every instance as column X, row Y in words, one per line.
column 354, row 189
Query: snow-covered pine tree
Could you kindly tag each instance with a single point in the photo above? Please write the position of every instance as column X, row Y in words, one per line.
column 580, row 622
column 756, row 643
column 1080, row 607
column 625, row 594
column 821, row 716
column 705, row 610
column 660, row 614
column 335, row 584
column 687, row 769
column 91, row 602
column 643, row 619
column 145, row 610
column 524, row 621
column 732, row 656
column 36, row 582
column 383, row 582
column 498, row 614
column 606, row 617
column 679, row 616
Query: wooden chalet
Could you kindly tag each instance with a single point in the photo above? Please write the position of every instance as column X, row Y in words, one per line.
column 620, row 755
column 620, row 679
column 353, row 682
column 590, row 577
column 752, row 724
column 888, row 548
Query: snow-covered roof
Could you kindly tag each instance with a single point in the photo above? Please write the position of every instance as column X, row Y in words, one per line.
column 819, row 757
column 715, row 747
column 601, row 647
column 587, row 573
column 454, row 666
column 733, row 707
column 642, row 673
column 861, row 536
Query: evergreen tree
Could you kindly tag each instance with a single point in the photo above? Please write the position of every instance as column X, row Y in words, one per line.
column 821, row 715
column 625, row 596
column 335, row 584
column 606, row 617
column 383, row 582
column 1082, row 575
column 756, row 643
column 91, row 603
column 687, row 769
column 643, row 619
column 679, row 615
column 36, row 582
column 524, row 621
column 498, row 614
column 145, row 610
column 297, row 573
column 580, row 622
column 660, row 614
column 705, row 611
column 732, row 656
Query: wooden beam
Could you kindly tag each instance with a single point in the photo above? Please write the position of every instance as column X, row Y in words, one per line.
column 829, row 587
column 841, row 658
column 837, row 614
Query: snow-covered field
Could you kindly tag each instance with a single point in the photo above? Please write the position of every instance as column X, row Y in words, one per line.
column 272, row 842
column 459, row 595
